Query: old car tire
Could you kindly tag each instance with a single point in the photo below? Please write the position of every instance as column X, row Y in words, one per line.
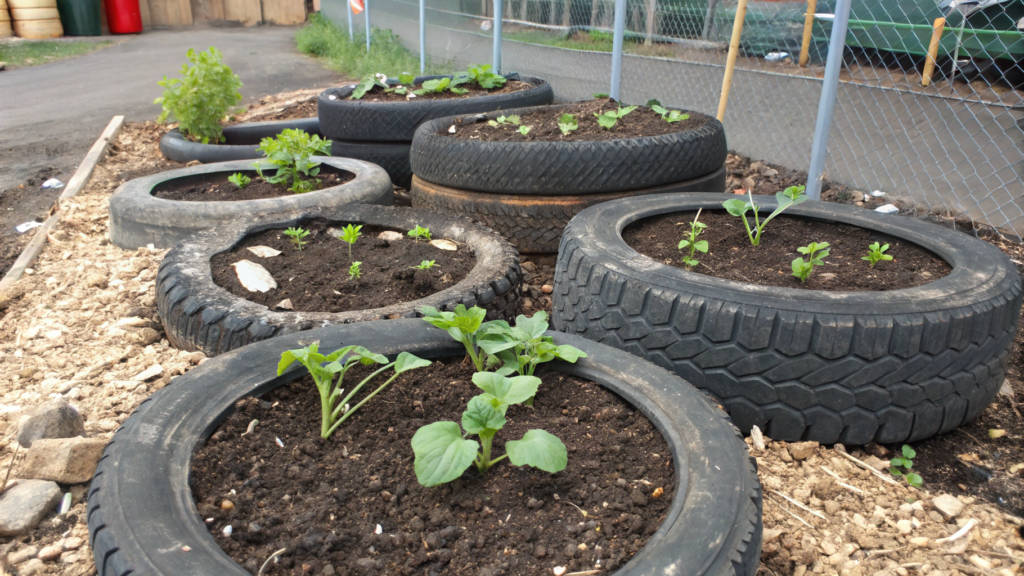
column 240, row 141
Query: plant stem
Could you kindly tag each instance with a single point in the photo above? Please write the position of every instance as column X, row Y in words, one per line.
column 364, row 401
column 473, row 356
column 327, row 416
column 358, row 387
column 485, row 452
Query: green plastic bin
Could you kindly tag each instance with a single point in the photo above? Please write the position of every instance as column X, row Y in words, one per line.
column 80, row 17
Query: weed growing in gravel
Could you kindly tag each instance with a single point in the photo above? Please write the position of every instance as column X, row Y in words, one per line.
column 419, row 232
column 241, row 180
column 354, row 271
column 815, row 252
column 876, row 254
column 567, row 123
column 292, row 153
column 334, row 408
column 202, row 96
column 906, row 461
column 786, row 198
column 350, row 234
column 610, row 118
column 297, row 235
column 443, row 453
column 692, row 243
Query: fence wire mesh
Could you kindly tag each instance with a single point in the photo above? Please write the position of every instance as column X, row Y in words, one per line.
column 948, row 144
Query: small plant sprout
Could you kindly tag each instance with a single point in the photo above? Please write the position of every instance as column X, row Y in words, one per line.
column 786, row 198
column 524, row 130
column 441, row 84
column 419, row 232
column 239, row 179
column 567, row 123
column 692, row 243
column 335, row 408
column 503, row 120
column 482, row 75
column 815, row 252
column 426, row 265
column 443, row 453
column 609, row 119
column 906, row 461
column 669, row 115
column 350, row 234
column 354, row 271
column 463, row 326
column 297, row 235
column 369, row 82
column 877, row 254
column 292, row 153
column 405, row 80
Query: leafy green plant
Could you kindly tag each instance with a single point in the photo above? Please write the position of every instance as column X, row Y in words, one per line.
column 292, row 152
column 906, row 461
column 297, row 235
column 443, row 453
column 786, row 198
column 441, row 84
column 669, row 115
column 405, row 82
column 877, row 254
column 354, row 270
column 502, row 120
column 334, row 408
column 426, row 265
column 815, row 252
column 369, row 82
column 241, row 180
column 567, row 123
column 463, row 326
column 202, row 96
column 481, row 75
column 692, row 243
column 520, row 348
column 524, row 130
column 610, row 118
column 599, row 95
column 419, row 232
column 350, row 234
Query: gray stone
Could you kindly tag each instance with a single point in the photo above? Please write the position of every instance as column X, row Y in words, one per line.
column 24, row 506
column 802, row 450
column 31, row 568
column 64, row 460
column 948, row 505
column 56, row 419
column 23, row 555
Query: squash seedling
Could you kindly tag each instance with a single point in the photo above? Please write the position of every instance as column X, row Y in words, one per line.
column 419, row 232
column 335, row 409
column 368, row 83
column 669, row 115
column 786, row 198
column 522, row 347
column 524, row 130
column 296, row 235
column 405, row 80
column 815, row 252
column 354, row 271
column 239, row 179
column 692, row 243
column 350, row 234
column 503, row 120
column 463, row 326
column 483, row 77
column 426, row 265
column 609, row 119
column 567, row 123
column 443, row 453
column 441, row 84
column 876, row 254
column 292, row 152
column 906, row 461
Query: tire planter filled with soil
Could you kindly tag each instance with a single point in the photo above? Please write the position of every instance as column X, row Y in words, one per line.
column 204, row 307
column 138, row 216
column 143, row 520
column 642, row 151
column 240, row 141
column 802, row 364
column 534, row 224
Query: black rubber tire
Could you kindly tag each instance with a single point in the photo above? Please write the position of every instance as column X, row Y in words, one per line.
column 199, row 315
column 138, row 218
column 141, row 513
column 393, row 157
column 850, row 367
column 534, row 224
column 241, row 141
column 564, row 168
column 362, row 120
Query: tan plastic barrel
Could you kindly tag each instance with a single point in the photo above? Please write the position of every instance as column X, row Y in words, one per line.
column 34, row 14
column 36, row 19
column 5, row 21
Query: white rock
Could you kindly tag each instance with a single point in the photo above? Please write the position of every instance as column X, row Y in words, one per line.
column 264, row 251
column 134, row 322
column 948, row 505
column 254, row 278
column 757, row 438
column 452, row 129
column 151, row 372
column 52, row 335
column 887, row 209
column 1006, row 389
column 444, row 245
column 558, row 570
column 905, row 527
column 391, row 236
column 285, row 304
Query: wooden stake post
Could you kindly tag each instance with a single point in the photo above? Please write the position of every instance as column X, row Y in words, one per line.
column 805, row 46
column 933, row 51
column 734, row 48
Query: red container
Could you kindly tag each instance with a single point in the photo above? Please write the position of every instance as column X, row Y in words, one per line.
column 123, row 16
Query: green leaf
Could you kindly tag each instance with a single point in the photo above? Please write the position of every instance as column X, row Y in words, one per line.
column 736, row 207
column 623, row 111
column 524, row 130
column 407, row 361
column 652, row 103
column 701, row 246
column 539, row 449
column 607, row 122
column 569, row 353
column 366, row 357
column 895, row 472
column 599, row 95
column 406, row 78
column 507, row 390
column 481, row 415
column 908, row 452
column 915, row 480
column 534, row 326
column 659, row 110
column 684, row 244
column 442, row 455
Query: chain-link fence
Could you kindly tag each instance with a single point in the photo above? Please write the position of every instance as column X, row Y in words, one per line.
column 952, row 145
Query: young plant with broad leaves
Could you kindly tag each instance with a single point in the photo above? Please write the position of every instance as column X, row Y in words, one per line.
column 463, row 326
column 297, row 236
column 355, row 270
column 444, row 453
column 906, row 461
column 876, row 254
column 567, row 123
column 419, row 232
column 610, row 118
column 404, row 87
column 439, row 85
column 669, row 116
column 292, row 152
column 691, row 242
column 369, row 82
column 519, row 349
column 815, row 253
column 504, row 120
column 241, row 180
column 786, row 198
column 524, row 130
column 350, row 235
column 481, row 75
column 335, row 408
column 202, row 96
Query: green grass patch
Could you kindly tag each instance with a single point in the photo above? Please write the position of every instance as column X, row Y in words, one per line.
column 33, row 53
column 592, row 40
column 326, row 40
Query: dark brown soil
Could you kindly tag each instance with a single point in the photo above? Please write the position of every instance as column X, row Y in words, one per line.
column 297, row 111
column 544, row 125
column 323, row 500
column 379, row 95
column 732, row 257
column 218, row 189
column 316, row 278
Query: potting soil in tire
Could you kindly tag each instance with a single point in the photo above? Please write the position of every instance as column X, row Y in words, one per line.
column 219, row 189
column 731, row 256
column 316, row 278
column 323, row 499
column 378, row 94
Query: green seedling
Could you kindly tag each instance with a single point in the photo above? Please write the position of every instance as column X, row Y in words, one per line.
column 567, row 123
column 609, row 119
column 692, row 243
column 239, row 179
column 441, row 84
column 369, row 82
column 599, row 95
column 669, row 115
column 876, row 254
column 297, row 235
column 786, row 198
column 483, row 77
column 906, row 461
column 503, row 120
column 335, row 409
column 426, row 265
column 419, row 232
column 463, row 326
column 815, row 253
column 405, row 81
column 443, row 453
column 203, row 95
column 292, row 152
column 350, row 234
column 354, row 271
column 524, row 130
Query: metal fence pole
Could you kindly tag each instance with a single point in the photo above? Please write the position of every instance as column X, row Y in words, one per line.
column 499, row 11
column 423, row 36
column 366, row 11
column 351, row 32
column 620, row 30
column 827, row 104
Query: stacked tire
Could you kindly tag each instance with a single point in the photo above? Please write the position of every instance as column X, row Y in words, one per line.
column 529, row 191
column 382, row 132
